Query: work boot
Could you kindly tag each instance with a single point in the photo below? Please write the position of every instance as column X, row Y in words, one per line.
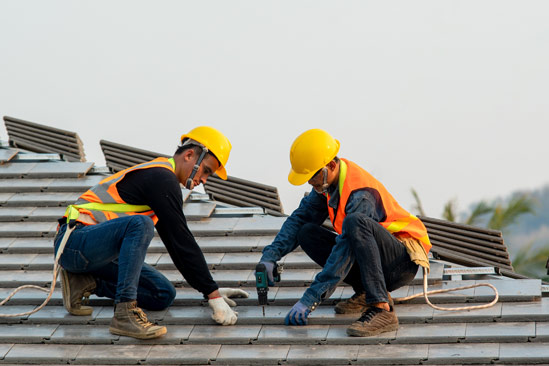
column 131, row 321
column 77, row 286
column 374, row 321
column 356, row 304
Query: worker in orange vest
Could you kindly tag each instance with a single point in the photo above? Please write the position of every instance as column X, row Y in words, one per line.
column 376, row 246
column 104, row 238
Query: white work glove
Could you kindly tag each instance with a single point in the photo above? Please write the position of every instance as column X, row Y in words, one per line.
column 226, row 293
column 222, row 313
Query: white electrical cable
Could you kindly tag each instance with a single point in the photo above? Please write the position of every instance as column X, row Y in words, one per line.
column 425, row 293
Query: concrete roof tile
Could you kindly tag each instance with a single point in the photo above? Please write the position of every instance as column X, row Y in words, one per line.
column 332, row 355
column 483, row 353
column 389, row 354
column 42, row 353
column 252, row 354
column 182, row 354
column 112, row 354
column 281, row 334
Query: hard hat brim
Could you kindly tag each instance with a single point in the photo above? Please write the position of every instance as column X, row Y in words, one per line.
column 221, row 172
column 298, row 179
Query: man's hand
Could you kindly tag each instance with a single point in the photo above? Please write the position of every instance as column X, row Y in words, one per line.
column 298, row 315
column 227, row 293
column 222, row 313
column 270, row 269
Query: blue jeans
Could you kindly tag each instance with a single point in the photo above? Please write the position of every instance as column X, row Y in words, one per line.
column 381, row 265
column 113, row 252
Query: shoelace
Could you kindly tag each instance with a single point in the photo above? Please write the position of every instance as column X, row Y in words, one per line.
column 86, row 298
column 141, row 317
column 369, row 314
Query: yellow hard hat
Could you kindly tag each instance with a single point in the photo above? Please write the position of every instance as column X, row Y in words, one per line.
column 216, row 142
column 310, row 152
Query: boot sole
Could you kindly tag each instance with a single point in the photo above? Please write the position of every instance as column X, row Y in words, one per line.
column 364, row 333
column 160, row 332
column 66, row 297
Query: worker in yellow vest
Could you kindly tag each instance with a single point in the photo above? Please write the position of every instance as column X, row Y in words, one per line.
column 108, row 230
column 376, row 246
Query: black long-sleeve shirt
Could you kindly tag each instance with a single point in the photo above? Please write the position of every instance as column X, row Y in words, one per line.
column 160, row 190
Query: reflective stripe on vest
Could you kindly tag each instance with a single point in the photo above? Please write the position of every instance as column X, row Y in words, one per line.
column 102, row 202
column 398, row 220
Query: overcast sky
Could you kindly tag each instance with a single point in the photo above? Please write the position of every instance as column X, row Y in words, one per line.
column 448, row 97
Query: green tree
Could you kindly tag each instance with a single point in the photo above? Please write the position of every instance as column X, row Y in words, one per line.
column 418, row 207
column 531, row 262
column 506, row 215
column 449, row 213
column 482, row 208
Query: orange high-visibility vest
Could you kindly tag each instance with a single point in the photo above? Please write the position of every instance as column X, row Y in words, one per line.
column 105, row 194
column 398, row 220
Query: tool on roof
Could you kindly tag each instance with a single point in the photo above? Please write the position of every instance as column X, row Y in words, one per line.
column 262, row 282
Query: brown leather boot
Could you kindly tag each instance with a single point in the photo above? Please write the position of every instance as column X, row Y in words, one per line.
column 131, row 321
column 75, row 287
column 374, row 321
column 356, row 304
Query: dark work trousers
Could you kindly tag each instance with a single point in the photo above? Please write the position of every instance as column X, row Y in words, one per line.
column 113, row 252
column 382, row 263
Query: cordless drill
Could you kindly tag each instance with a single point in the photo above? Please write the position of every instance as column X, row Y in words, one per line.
column 262, row 282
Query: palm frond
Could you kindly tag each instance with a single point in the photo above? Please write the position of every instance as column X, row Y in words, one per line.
column 418, row 207
column 505, row 216
column 481, row 209
column 449, row 212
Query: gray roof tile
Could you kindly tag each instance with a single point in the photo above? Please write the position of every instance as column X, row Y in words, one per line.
column 542, row 332
column 4, row 197
column 478, row 315
column 389, row 354
column 42, row 353
column 252, row 354
column 281, row 334
column 16, row 170
column 7, row 154
column 58, row 315
column 332, row 355
column 239, row 334
column 483, row 353
column 430, row 333
column 500, row 332
column 510, row 290
column 338, row 335
column 41, row 199
column 16, row 261
column 4, row 349
column 183, row 354
column 59, row 169
column 27, row 229
column 532, row 311
column 112, row 354
column 78, row 334
column 524, row 353
column 26, row 333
